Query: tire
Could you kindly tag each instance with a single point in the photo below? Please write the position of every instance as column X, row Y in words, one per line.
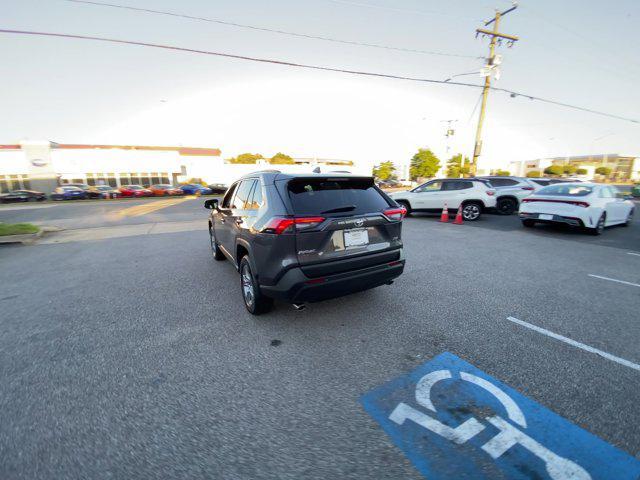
column 215, row 249
column 528, row 223
column 406, row 205
column 471, row 211
column 506, row 206
column 254, row 301
column 629, row 218
column 599, row 228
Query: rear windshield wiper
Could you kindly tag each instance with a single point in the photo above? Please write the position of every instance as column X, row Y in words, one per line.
column 346, row 208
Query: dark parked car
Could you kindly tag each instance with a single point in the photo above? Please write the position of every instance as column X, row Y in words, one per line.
column 22, row 196
column 82, row 186
column 67, row 192
column 306, row 237
column 103, row 191
column 218, row 188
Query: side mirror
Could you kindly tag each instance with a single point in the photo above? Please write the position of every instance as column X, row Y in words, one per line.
column 211, row 204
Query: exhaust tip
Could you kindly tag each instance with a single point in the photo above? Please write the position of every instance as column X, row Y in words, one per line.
column 299, row 306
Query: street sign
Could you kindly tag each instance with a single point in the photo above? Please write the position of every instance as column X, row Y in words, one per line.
column 454, row 421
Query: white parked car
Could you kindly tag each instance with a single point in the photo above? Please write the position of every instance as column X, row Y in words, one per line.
column 588, row 205
column 474, row 194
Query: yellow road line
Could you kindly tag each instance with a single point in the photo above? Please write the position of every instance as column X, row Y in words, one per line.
column 150, row 207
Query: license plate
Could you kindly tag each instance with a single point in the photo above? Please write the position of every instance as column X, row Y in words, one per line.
column 544, row 216
column 354, row 238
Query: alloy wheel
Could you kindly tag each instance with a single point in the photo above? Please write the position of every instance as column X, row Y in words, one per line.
column 471, row 212
column 247, row 286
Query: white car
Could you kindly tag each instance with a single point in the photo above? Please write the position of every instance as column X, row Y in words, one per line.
column 588, row 205
column 475, row 195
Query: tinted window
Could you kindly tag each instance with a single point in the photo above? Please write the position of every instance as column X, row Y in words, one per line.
column 541, row 182
column 429, row 187
column 503, row 182
column 256, row 197
column 566, row 189
column 226, row 201
column 315, row 196
column 457, row 185
column 242, row 194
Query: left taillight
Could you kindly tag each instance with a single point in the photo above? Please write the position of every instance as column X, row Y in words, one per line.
column 395, row 213
column 279, row 225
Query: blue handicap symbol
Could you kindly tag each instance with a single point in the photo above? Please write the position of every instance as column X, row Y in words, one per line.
column 454, row 421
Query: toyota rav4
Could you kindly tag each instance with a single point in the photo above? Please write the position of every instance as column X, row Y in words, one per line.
column 305, row 238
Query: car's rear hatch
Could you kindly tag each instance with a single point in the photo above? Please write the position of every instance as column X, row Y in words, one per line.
column 342, row 223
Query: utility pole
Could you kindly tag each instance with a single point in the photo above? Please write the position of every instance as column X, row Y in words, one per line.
column 491, row 67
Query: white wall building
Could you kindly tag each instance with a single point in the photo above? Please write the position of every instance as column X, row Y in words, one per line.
column 44, row 165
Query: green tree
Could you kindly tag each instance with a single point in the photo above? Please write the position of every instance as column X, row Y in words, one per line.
column 581, row 171
column 503, row 173
column 424, row 164
column 281, row 159
column 456, row 165
column 569, row 169
column 556, row 170
column 385, row 171
column 246, row 158
column 606, row 171
column 533, row 174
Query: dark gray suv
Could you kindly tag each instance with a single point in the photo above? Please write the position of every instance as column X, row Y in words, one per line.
column 306, row 237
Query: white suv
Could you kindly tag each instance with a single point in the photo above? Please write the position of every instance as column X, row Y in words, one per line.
column 475, row 195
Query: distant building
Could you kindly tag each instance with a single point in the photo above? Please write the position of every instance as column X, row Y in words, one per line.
column 623, row 167
column 43, row 165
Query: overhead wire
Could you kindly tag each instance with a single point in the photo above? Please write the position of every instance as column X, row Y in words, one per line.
column 314, row 67
column 272, row 30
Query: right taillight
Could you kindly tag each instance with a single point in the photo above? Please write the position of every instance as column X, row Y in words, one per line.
column 395, row 213
column 279, row 225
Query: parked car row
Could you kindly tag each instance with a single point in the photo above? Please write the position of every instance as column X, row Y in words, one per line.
column 81, row 191
column 536, row 200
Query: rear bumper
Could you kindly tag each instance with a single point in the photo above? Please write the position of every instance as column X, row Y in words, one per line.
column 573, row 221
column 296, row 287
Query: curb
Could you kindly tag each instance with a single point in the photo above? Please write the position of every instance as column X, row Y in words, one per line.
column 28, row 238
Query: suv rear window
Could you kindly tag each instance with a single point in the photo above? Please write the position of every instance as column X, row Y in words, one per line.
column 315, row 196
column 503, row 182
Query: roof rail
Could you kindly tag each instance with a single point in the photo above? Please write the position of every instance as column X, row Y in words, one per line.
column 265, row 171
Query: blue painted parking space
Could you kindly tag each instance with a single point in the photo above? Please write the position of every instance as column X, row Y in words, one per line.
column 454, row 421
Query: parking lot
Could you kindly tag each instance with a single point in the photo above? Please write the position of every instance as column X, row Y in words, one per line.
column 126, row 351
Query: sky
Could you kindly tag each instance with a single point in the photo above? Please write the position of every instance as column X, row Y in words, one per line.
column 71, row 91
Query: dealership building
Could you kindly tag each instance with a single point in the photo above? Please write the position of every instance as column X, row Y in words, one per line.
column 623, row 167
column 43, row 165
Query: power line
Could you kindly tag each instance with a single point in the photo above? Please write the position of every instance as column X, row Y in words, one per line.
column 315, row 67
column 402, row 10
column 271, row 30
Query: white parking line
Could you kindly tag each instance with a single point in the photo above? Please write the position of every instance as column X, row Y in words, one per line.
column 615, row 280
column 582, row 346
column 633, row 253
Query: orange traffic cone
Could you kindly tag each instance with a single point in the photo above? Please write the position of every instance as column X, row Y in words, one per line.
column 444, row 216
column 458, row 219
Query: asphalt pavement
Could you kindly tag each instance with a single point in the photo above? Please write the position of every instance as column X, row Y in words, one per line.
column 134, row 357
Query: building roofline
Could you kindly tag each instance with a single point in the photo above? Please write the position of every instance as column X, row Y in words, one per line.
column 189, row 151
